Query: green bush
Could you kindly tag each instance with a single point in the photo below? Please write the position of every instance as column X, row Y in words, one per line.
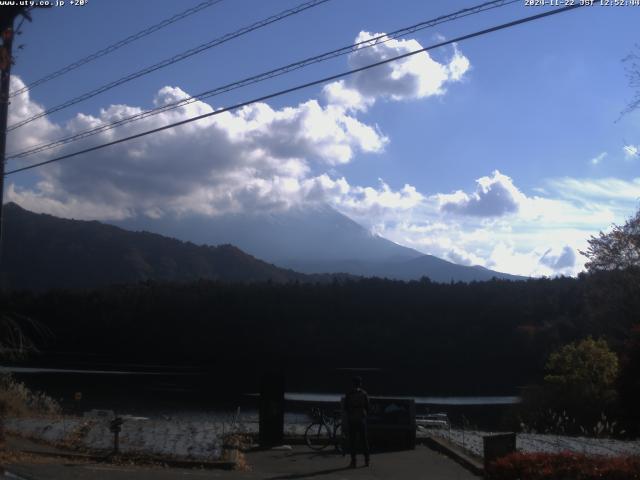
column 578, row 396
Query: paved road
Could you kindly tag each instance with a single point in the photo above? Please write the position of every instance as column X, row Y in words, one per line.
column 300, row 463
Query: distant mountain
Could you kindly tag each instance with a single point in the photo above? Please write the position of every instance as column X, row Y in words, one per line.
column 42, row 251
column 313, row 240
column 314, row 234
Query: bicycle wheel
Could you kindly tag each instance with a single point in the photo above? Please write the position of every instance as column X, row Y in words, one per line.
column 317, row 436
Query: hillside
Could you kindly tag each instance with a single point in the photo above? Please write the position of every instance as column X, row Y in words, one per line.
column 42, row 251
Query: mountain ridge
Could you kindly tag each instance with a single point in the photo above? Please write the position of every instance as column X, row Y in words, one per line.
column 314, row 240
column 42, row 251
column 86, row 254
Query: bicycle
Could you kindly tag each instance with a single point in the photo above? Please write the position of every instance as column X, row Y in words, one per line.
column 324, row 431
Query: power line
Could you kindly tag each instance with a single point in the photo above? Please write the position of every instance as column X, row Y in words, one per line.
column 176, row 58
column 301, row 87
column 267, row 75
column 115, row 46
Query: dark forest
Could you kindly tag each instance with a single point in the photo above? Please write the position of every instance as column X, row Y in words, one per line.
column 477, row 337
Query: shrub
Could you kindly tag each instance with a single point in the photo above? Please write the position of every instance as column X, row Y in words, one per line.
column 583, row 372
column 578, row 395
column 566, row 465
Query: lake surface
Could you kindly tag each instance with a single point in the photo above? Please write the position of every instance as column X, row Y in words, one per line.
column 434, row 400
column 170, row 382
column 168, row 393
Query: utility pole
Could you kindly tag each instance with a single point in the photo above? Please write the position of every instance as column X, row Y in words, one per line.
column 6, row 31
column 7, row 17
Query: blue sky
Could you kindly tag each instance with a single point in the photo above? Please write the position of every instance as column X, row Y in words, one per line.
column 511, row 161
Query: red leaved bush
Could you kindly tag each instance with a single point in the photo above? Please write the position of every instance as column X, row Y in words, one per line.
column 563, row 466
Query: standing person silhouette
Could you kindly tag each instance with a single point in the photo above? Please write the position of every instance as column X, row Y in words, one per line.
column 356, row 404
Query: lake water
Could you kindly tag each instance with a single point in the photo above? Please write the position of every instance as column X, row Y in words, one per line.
column 53, row 373
column 434, row 400
column 167, row 393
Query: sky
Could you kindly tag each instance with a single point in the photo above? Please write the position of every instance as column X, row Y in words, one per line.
column 508, row 150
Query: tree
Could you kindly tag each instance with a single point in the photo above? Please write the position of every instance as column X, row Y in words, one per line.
column 614, row 298
column 629, row 383
column 580, row 380
column 586, row 370
column 616, row 250
column 633, row 74
column 613, row 283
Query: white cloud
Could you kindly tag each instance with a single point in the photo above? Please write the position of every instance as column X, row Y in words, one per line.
column 462, row 257
column 597, row 160
column 563, row 260
column 415, row 77
column 256, row 158
column 631, row 151
column 597, row 189
column 21, row 108
column 368, row 201
column 513, row 232
column 505, row 257
column 458, row 65
column 494, row 196
column 337, row 93
column 42, row 199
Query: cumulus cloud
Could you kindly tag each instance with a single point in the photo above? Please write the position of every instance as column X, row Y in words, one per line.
column 22, row 107
column 308, row 131
column 462, row 257
column 458, row 65
column 339, row 94
column 540, row 237
column 42, row 198
column 565, row 259
column 257, row 158
column 415, row 77
column 555, row 261
column 367, row 201
column 494, row 196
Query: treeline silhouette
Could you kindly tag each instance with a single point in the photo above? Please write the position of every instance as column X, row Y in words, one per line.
column 484, row 337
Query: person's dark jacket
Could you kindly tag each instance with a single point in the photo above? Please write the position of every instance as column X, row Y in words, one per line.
column 356, row 404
